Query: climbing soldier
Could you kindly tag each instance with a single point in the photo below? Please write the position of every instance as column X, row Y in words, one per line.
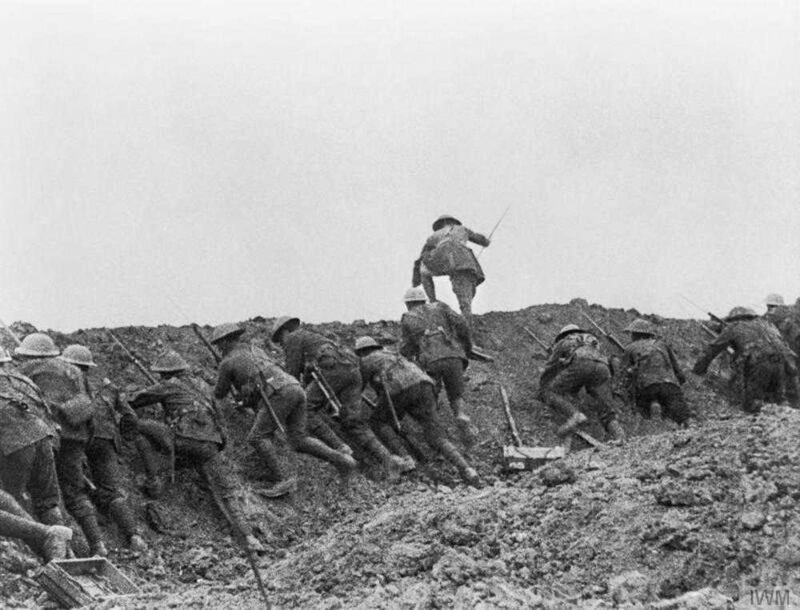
column 787, row 320
column 48, row 541
column 402, row 387
column 446, row 253
column 439, row 340
column 189, row 411
column 765, row 364
column 64, row 388
column 652, row 373
column 28, row 436
column 104, row 448
column 576, row 362
column 309, row 353
column 249, row 370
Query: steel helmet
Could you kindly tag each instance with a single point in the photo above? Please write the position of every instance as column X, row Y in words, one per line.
column 444, row 218
column 284, row 322
column 740, row 313
column 364, row 344
column 229, row 329
column 169, row 362
column 4, row 357
column 78, row 355
column 415, row 295
column 568, row 330
column 37, row 344
column 774, row 299
column 640, row 326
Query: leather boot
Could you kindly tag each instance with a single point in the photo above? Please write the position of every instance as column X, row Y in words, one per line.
column 56, row 542
column 94, row 536
column 655, row 410
column 269, row 456
column 467, row 432
column 122, row 513
column 343, row 462
column 615, row 431
column 451, row 454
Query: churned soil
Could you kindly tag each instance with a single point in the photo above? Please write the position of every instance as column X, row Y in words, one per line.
column 707, row 512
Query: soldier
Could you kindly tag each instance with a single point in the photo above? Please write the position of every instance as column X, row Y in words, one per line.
column 446, row 253
column 243, row 367
column 337, row 367
column 28, row 436
column 104, row 447
column 653, row 374
column 787, row 320
column 64, row 388
column 577, row 362
column 438, row 339
column 49, row 541
column 189, row 411
column 765, row 363
column 411, row 391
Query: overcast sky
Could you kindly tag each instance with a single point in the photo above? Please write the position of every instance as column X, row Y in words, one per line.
column 212, row 161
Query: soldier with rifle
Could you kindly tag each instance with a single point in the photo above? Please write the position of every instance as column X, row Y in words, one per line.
column 403, row 388
column 335, row 378
column 189, row 411
column 576, row 362
column 278, row 400
column 653, row 375
column 446, row 253
column 766, row 364
column 28, row 437
column 439, row 341
column 104, row 448
column 64, row 387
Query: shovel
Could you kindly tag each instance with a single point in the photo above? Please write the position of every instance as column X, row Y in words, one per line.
column 518, row 457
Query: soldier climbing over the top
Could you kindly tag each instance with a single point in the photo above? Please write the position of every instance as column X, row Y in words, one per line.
column 653, row 374
column 439, row 340
column 410, row 391
column 189, row 411
column 64, row 387
column 103, row 451
column 251, row 371
column 765, row 364
column 309, row 354
column 446, row 253
column 576, row 362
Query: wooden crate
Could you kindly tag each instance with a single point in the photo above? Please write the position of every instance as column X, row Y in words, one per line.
column 79, row 582
column 516, row 459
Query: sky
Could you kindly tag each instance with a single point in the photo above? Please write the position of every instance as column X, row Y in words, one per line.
column 167, row 162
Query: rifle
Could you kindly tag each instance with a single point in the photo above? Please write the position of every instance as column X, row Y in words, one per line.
column 152, row 380
column 541, row 343
column 614, row 341
column 497, row 224
column 260, row 387
column 206, row 342
column 711, row 315
column 327, row 390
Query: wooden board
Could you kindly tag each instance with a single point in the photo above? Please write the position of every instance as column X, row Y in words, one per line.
column 517, row 459
column 80, row 582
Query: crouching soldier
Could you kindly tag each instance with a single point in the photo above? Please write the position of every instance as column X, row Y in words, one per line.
column 401, row 387
column 653, row 375
column 251, row 372
column 765, row 363
column 48, row 541
column 337, row 368
column 27, row 439
column 64, row 387
column 576, row 362
column 439, row 340
column 104, row 447
column 198, row 437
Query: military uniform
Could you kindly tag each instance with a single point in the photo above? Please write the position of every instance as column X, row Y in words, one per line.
column 50, row 542
column 411, row 391
column 654, row 375
column 189, row 412
column 65, row 386
column 240, row 368
column 27, row 439
column 576, row 362
column 446, row 253
column 765, row 361
column 786, row 319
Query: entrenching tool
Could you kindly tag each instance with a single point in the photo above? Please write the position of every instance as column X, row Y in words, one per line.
column 390, row 402
column 518, row 457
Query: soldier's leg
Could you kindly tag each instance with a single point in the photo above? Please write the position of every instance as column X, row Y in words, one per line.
column 48, row 541
column 560, row 394
column 69, row 465
column 463, row 283
column 43, row 484
column 753, row 391
column 153, row 439
column 427, row 283
column 107, row 477
column 316, row 422
column 451, row 372
column 260, row 438
column 672, row 399
column 598, row 386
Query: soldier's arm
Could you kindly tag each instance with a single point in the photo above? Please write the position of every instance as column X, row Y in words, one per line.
column 676, row 367
column 478, row 238
column 149, row 396
column 718, row 345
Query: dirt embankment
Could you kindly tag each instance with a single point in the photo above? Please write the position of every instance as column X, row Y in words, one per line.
column 685, row 509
